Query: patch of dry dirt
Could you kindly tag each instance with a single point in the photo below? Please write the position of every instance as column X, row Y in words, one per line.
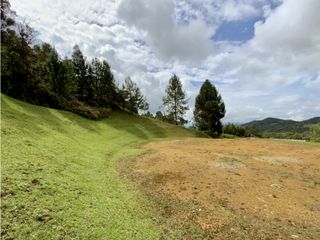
column 268, row 180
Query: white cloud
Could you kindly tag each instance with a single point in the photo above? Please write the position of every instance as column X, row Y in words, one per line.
column 168, row 39
column 219, row 10
column 237, row 10
column 151, row 40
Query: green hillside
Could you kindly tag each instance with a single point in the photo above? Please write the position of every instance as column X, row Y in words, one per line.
column 59, row 177
column 278, row 128
column 280, row 125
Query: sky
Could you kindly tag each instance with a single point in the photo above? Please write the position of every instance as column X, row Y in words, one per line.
column 263, row 56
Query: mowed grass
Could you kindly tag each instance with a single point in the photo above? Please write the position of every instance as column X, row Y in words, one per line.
column 59, row 176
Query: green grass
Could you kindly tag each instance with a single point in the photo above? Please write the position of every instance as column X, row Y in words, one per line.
column 59, row 174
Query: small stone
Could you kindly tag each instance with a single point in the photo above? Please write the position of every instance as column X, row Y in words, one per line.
column 275, row 185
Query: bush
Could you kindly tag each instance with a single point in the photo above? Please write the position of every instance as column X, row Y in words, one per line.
column 95, row 113
column 235, row 130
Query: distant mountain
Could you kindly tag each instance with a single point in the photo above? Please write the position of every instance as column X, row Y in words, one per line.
column 280, row 125
column 315, row 120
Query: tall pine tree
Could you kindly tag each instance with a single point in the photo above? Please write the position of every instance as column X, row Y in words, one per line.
column 133, row 98
column 80, row 72
column 175, row 100
column 108, row 86
column 209, row 110
column 103, row 84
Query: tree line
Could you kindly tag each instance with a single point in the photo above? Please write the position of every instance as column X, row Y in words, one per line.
column 208, row 112
column 37, row 74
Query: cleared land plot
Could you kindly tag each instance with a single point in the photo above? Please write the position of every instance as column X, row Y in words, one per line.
column 257, row 189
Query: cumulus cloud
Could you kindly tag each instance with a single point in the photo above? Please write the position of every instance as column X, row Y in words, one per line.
column 237, row 10
column 276, row 73
column 156, row 19
column 284, row 49
column 291, row 28
column 215, row 12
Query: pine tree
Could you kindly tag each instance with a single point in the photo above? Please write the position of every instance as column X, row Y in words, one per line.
column 50, row 89
column 80, row 72
column 134, row 100
column 67, row 80
column 103, row 85
column 108, row 86
column 90, row 84
column 209, row 109
column 175, row 100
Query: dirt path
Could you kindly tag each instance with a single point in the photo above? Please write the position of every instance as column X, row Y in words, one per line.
column 266, row 180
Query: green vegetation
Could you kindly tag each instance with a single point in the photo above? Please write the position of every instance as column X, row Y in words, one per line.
column 59, row 171
column 209, row 110
column 133, row 98
column 59, row 177
column 315, row 132
column 37, row 74
column 175, row 101
column 287, row 129
column 231, row 129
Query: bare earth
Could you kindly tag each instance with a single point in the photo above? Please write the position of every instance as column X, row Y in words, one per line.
column 268, row 180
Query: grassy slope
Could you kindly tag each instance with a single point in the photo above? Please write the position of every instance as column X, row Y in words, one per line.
column 59, row 178
column 279, row 125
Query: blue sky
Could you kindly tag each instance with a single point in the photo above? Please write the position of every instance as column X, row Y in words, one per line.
column 262, row 55
column 237, row 31
column 241, row 30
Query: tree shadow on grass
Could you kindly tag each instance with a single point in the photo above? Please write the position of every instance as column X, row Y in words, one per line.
column 60, row 121
column 15, row 110
column 142, row 128
column 57, row 120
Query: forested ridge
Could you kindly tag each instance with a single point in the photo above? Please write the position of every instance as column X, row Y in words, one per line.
column 37, row 74
column 280, row 128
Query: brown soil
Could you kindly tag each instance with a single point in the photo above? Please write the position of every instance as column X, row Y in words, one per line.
column 267, row 180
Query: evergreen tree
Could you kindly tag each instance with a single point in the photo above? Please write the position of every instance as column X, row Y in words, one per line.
column 134, row 100
column 89, row 82
column 108, row 86
column 38, row 75
column 103, row 85
column 175, row 100
column 209, row 109
column 159, row 116
column 51, row 77
column 67, row 80
column 17, row 58
column 95, row 70
column 80, row 72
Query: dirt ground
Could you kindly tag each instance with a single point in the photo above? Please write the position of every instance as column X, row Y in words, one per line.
column 272, row 181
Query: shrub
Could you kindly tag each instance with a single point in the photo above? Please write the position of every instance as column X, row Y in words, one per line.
column 95, row 113
column 236, row 130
